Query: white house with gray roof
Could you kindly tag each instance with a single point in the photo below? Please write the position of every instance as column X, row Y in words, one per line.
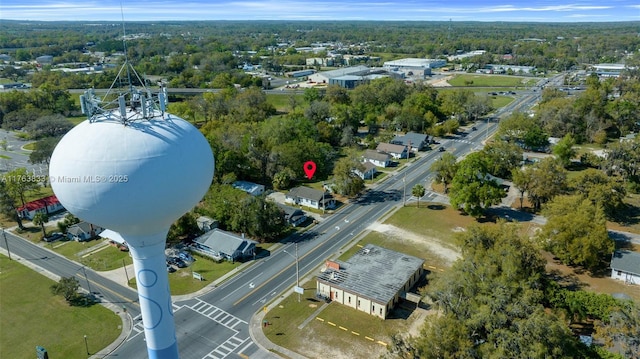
column 373, row 280
column 625, row 266
column 396, row 151
column 219, row 244
column 379, row 159
column 309, row 197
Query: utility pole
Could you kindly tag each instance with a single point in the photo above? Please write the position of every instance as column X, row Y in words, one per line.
column 404, row 190
column 6, row 243
column 297, row 272
column 87, row 279
column 86, row 345
column 125, row 270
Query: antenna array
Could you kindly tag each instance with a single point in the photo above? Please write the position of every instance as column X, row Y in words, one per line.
column 113, row 106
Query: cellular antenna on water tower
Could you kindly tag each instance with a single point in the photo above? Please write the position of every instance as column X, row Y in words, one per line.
column 133, row 103
column 134, row 168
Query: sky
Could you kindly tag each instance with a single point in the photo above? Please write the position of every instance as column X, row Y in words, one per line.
column 410, row 10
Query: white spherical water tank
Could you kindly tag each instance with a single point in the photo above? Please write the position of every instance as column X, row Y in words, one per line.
column 136, row 179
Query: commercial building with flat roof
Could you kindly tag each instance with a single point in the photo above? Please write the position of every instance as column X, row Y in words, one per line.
column 373, row 280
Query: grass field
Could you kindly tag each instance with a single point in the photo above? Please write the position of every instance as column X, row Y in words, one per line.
column 282, row 103
column 477, row 80
column 32, row 316
column 347, row 336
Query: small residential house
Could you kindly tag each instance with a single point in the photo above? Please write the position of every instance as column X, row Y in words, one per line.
column 206, row 223
column 379, row 159
column 414, row 141
column 83, row 231
column 396, row 151
column 293, row 216
column 251, row 188
column 625, row 266
column 220, row 244
column 309, row 197
column 369, row 171
column 45, row 205
column 373, row 280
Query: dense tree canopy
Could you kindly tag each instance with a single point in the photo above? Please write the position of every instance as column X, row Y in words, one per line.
column 491, row 303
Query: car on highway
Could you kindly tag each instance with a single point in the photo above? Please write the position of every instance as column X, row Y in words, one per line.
column 441, row 149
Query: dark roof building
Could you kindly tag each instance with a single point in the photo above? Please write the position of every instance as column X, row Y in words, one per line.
column 415, row 141
column 372, row 280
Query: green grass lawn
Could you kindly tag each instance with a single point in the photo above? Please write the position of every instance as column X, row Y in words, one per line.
column 289, row 314
column 30, row 146
column 488, row 80
column 282, row 102
column 31, row 315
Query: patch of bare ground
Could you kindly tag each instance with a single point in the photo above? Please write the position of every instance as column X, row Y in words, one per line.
column 320, row 349
column 580, row 279
column 439, row 248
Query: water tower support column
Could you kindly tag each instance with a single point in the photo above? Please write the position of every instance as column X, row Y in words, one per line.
column 155, row 298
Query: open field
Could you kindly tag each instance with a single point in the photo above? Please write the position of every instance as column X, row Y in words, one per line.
column 480, row 80
column 32, row 316
column 282, row 103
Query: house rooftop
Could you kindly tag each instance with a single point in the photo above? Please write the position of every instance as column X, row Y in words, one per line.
column 308, row 193
column 375, row 155
column 626, row 261
column 373, row 272
column 223, row 241
column 39, row 203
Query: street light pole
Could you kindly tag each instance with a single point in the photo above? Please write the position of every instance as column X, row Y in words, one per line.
column 297, row 269
column 86, row 345
column 6, row 243
column 87, row 279
column 404, row 190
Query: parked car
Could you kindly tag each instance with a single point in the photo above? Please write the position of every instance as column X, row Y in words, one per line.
column 185, row 256
column 53, row 237
column 170, row 268
column 180, row 263
column 441, row 149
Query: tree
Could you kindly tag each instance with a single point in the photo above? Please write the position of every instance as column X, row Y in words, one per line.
column 521, row 179
column 345, row 180
column 8, row 203
column 40, row 219
column 564, row 150
column 621, row 330
column 185, row 227
column 418, row 191
column 49, row 126
column 69, row 219
column 67, row 287
column 547, row 179
column 600, row 189
column 502, row 158
column 19, row 182
column 472, row 190
column 576, row 232
column 445, row 169
column 490, row 302
column 43, row 149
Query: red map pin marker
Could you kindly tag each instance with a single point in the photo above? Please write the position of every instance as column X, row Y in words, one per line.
column 309, row 168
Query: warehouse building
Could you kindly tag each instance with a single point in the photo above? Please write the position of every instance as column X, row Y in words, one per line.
column 373, row 280
column 413, row 67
